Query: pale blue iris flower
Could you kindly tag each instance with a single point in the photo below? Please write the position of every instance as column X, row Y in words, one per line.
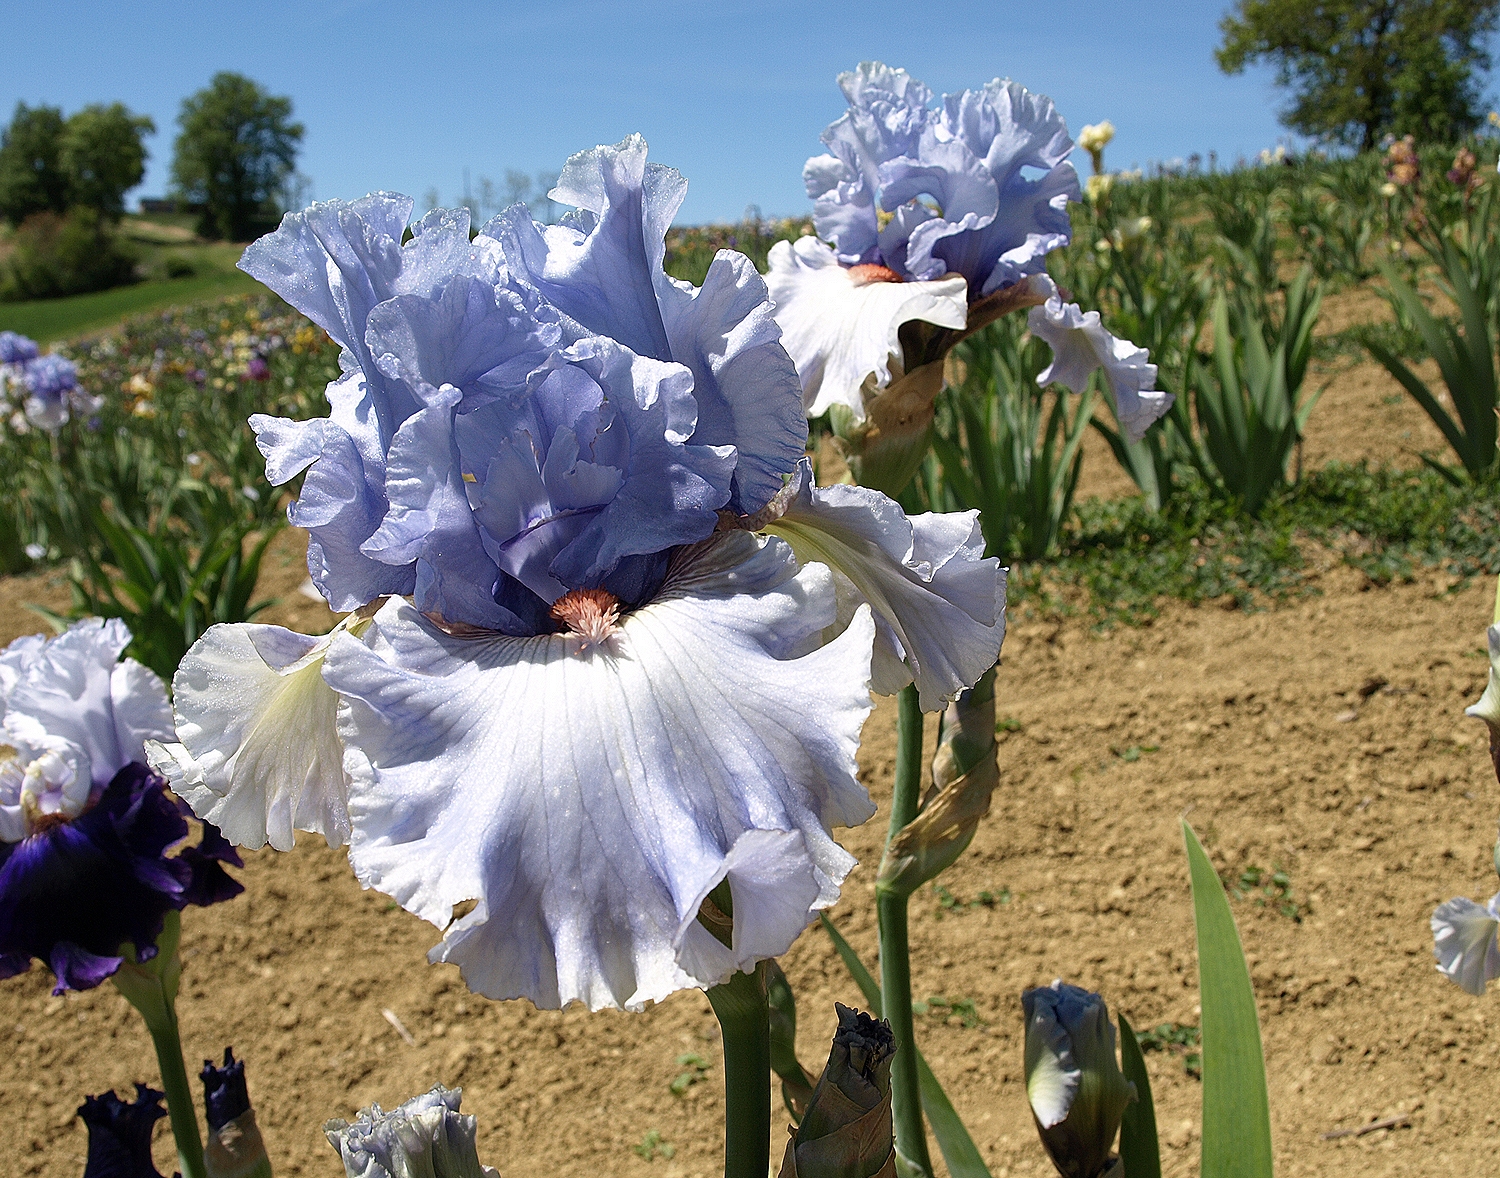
column 579, row 688
column 943, row 214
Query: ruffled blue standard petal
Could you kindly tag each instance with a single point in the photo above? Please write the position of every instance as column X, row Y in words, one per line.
column 952, row 183
column 886, row 118
column 120, row 1134
column 431, row 524
column 1464, row 942
column 335, row 261
column 888, row 113
column 746, row 386
column 587, row 795
column 605, row 274
column 73, row 892
column 939, row 603
column 999, row 131
column 343, row 498
column 602, row 269
column 593, row 474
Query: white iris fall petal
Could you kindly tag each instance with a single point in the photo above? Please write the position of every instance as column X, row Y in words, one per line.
column 1463, row 936
column 588, row 795
column 1080, row 344
column 939, row 603
column 258, row 751
column 841, row 324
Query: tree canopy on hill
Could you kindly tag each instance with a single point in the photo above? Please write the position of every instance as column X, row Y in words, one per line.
column 236, row 148
column 49, row 164
column 1359, row 69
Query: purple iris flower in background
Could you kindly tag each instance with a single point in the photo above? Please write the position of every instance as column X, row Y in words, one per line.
column 929, row 192
column 16, row 348
column 120, row 1134
column 84, row 824
column 257, row 369
column 53, row 395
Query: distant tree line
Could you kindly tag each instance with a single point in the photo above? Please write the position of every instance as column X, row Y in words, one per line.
column 63, row 181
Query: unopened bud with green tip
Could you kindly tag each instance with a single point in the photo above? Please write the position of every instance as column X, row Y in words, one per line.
column 426, row 1137
column 847, row 1131
column 1073, row 1080
column 234, row 1148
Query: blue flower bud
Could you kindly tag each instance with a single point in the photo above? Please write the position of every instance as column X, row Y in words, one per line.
column 1077, row 1092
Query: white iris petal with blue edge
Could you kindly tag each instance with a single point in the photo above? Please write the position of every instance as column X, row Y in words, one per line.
column 590, row 798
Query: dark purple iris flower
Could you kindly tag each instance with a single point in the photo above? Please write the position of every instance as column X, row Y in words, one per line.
column 120, row 1134
column 73, row 891
column 257, row 369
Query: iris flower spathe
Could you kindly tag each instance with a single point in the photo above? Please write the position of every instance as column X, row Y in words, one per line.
column 581, row 688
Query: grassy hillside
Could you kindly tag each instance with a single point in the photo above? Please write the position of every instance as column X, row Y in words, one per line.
column 176, row 268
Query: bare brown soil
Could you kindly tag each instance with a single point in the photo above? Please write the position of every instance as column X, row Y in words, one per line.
column 1324, row 738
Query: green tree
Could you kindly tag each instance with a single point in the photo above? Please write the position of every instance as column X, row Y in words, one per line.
column 236, row 147
column 103, row 156
column 1358, row 69
column 31, row 176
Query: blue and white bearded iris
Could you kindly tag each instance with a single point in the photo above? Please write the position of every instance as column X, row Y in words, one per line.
column 924, row 213
column 579, row 690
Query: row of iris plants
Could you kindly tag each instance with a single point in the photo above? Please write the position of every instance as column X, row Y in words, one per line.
column 608, row 639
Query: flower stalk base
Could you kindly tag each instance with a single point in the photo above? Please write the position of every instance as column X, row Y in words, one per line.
column 744, row 1017
column 912, row 1158
column 152, row 989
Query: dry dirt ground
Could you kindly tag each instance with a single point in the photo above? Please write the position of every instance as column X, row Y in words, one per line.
column 1324, row 738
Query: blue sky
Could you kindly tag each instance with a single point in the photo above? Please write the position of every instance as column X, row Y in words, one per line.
column 405, row 97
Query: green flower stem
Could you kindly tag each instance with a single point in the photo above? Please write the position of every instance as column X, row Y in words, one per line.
column 152, row 989
column 180, row 1108
column 912, row 1158
column 744, row 1017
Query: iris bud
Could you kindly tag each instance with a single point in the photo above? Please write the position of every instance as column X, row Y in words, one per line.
column 847, row 1131
column 1077, row 1092
column 1488, row 707
column 120, row 1134
column 424, row 1138
column 235, row 1148
column 886, row 448
column 964, row 775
